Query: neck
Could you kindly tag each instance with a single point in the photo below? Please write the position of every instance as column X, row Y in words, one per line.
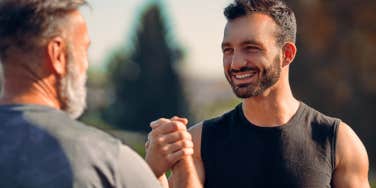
column 274, row 107
column 23, row 85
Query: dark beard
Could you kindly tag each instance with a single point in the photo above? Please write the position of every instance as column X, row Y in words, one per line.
column 269, row 76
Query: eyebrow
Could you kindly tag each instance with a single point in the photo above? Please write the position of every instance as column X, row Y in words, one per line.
column 246, row 42
column 252, row 42
column 225, row 44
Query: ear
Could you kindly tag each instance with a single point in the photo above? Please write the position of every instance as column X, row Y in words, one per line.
column 289, row 52
column 56, row 52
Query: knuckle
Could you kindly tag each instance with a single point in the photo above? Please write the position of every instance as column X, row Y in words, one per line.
column 174, row 126
column 160, row 140
column 187, row 136
column 183, row 144
column 152, row 123
column 180, row 125
column 183, row 127
column 188, row 143
column 182, row 135
column 164, row 150
column 152, row 134
column 163, row 120
column 187, row 151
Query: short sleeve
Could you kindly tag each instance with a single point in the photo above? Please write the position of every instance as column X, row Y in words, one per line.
column 133, row 171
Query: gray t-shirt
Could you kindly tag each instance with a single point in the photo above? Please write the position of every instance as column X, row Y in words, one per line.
column 43, row 147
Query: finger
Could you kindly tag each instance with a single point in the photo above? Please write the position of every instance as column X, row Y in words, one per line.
column 149, row 135
column 172, row 148
column 173, row 137
column 147, row 144
column 169, row 127
column 159, row 122
column 174, row 157
column 180, row 119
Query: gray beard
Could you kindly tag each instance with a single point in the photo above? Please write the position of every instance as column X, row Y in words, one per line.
column 73, row 91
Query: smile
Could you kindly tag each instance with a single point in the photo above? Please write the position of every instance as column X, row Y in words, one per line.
column 242, row 76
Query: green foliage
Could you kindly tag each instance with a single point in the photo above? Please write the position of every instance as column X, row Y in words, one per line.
column 140, row 149
column 146, row 85
column 93, row 119
column 216, row 109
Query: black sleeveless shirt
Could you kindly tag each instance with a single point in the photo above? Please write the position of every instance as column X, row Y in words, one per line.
column 299, row 154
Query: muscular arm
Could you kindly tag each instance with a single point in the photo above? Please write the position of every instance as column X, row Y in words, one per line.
column 351, row 160
column 190, row 172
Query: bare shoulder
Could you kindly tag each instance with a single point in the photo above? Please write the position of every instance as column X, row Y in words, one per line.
column 351, row 159
column 350, row 147
column 196, row 131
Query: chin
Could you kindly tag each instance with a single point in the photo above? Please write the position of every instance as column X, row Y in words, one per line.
column 246, row 92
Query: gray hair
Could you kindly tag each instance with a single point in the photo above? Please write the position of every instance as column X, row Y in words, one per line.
column 28, row 24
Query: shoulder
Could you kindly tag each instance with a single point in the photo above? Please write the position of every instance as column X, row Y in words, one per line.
column 201, row 128
column 352, row 163
column 94, row 145
column 64, row 127
column 350, row 149
column 196, row 132
column 319, row 118
column 221, row 121
column 133, row 170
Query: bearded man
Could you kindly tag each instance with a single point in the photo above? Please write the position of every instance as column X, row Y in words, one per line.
column 43, row 50
column 271, row 139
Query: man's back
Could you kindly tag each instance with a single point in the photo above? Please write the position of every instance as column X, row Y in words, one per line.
column 43, row 147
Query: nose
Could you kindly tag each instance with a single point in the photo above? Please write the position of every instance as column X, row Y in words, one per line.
column 238, row 61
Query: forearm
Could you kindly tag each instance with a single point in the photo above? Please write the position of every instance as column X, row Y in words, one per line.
column 185, row 175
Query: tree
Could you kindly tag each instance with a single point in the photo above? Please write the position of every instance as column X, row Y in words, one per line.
column 146, row 85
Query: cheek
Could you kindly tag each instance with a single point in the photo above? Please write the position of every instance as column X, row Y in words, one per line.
column 84, row 62
column 226, row 62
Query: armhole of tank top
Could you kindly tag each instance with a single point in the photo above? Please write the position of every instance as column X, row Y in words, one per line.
column 334, row 143
column 203, row 142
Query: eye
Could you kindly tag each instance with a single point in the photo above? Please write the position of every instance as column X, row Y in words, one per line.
column 227, row 50
column 252, row 48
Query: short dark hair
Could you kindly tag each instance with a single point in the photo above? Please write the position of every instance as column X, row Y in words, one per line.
column 276, row 9
column 26, row 24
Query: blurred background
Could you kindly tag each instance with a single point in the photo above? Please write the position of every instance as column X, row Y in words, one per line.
column 160, row 58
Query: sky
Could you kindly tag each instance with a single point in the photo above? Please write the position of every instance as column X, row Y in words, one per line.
column 197, row 26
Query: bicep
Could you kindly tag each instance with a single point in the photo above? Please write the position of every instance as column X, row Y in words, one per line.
column 352, row 161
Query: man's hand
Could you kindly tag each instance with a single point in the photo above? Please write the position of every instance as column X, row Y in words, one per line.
column 168, row 142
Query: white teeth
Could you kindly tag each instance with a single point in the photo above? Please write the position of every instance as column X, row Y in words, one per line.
column 243, row 76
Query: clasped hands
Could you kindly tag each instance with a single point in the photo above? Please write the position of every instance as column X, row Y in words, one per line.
column 168, row 143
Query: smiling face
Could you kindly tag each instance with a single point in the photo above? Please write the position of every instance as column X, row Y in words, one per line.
column 251, row 56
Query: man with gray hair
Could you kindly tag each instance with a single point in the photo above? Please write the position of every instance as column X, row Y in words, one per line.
column 43, row 50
